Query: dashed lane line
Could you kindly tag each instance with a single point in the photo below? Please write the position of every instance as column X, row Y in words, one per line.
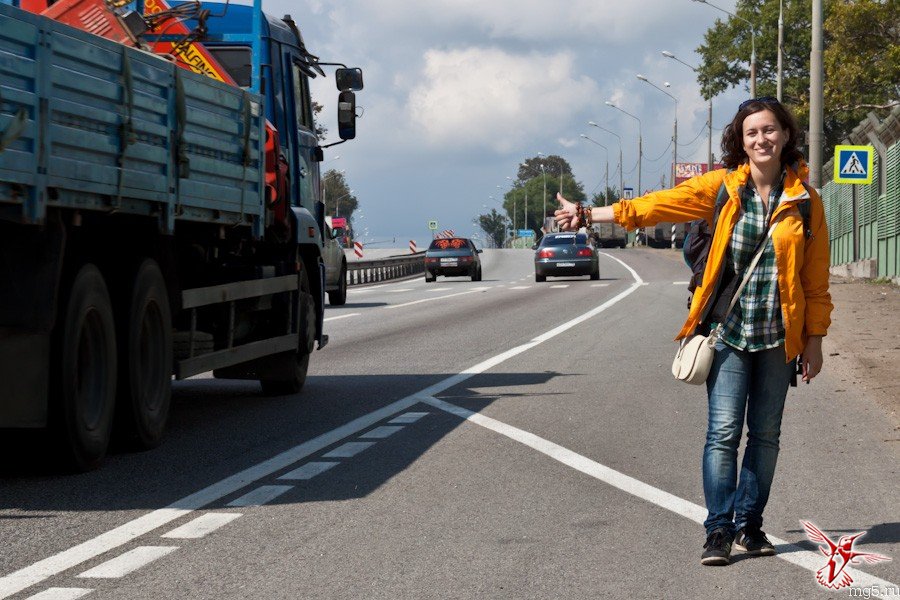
column 379, row 433
column 436, row 298
column 60, row 593
column 202, row 526
column 130, row 561
column 341, row 317
column 261, row 495
column 308, row 471
column 348, row 450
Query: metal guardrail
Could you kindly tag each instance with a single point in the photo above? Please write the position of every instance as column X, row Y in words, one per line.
column 396, row 267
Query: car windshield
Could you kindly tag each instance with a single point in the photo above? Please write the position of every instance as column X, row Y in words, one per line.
column 449, row 244
column 564, row 240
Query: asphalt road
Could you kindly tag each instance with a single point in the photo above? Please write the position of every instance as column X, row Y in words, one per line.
column 458, row 439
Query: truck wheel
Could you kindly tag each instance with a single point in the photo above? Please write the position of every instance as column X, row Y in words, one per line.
column 292, row 366
column 339, row 296
column 145, row 369
column 83, row 379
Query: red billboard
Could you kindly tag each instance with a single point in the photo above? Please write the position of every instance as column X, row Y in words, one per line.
column 684, row 171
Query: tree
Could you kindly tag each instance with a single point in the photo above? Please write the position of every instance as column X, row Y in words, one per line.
column 321, row 130
column 603, row 199
column 532, row 190
column 494, row 226
column 862, row 57
column 553, row 165
column 339, row 200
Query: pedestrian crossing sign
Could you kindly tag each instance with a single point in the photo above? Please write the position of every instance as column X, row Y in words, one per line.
column 853, row 164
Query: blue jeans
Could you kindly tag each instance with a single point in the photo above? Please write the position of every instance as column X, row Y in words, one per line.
column 740, row 382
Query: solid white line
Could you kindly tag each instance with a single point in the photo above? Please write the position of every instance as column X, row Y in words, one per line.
column 56, row 593
column 129, row 562
column 261, row 495
column 520, row 287
column 52, row 565
column 791, row 553
column 202, row 526
column 559, row 286
column 433, row 299
column 309, row 470
column 342, row 317
column 438, row 289
column 348, row 450
column 380, row 433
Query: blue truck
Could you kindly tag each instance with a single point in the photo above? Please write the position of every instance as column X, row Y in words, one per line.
column 155, row 223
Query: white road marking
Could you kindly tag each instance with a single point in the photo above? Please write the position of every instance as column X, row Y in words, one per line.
column 129, row 562
column 380, row 432
column 202, row 526
column 438, row 289
column 309, row 470
column 520, row 287
column 410, row 417
column 341, row 317
column 261, row 495
column 348, row 450
column 43, row 569
column 791, row 553
column 56, row 593
column 680, row 282
column 433, row 299
column 397, row 291
column 599, row 285
column 559, row 286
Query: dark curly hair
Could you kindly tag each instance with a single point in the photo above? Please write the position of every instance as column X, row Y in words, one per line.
column 733, row 153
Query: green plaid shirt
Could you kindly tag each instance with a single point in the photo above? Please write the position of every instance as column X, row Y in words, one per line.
column 755, row 323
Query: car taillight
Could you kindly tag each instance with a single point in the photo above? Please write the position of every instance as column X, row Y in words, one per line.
column 584, row 252
column 432, row 260
column 465, row 259
column 546, row 253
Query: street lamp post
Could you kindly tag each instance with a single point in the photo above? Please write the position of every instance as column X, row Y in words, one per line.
column 605, row 149
column 544, row 216
column 337, row 203
column 675, row 132
column 619, row 140
column 640, row 144
column 668, row 54
column 752, row 44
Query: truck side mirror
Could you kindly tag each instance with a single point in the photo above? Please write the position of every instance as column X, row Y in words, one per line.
column 347, row 115
column 349, row 80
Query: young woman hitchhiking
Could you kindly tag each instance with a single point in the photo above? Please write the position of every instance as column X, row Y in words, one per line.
column 783, row 311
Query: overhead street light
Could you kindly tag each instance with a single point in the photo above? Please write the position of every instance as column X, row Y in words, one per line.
column 619, row 141
column 675, row 132
column 752, row 44
column 709, row 165
column 605, row 199
column 640, row 144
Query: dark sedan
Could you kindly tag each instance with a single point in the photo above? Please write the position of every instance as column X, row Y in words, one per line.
column 452, row 257
column 561, row 254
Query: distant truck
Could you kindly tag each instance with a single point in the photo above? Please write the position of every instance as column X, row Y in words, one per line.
column 609, row 235
column 660, row 235
column 155, row 222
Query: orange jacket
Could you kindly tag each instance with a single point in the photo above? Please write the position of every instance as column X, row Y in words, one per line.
column 802, row 263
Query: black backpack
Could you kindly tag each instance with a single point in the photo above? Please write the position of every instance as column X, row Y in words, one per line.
column 699, row 235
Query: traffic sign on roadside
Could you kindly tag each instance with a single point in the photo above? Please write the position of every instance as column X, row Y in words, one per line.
column 628, row 193
column 853, row 164
column 525, row 233
column 432, row 225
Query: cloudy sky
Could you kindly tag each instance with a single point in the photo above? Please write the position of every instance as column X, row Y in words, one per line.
column 458, row 92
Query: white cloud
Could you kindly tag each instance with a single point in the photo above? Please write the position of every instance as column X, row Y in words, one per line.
column 491, row 98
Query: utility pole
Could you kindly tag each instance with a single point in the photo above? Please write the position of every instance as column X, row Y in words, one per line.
column 816, row 98
column 780, row 42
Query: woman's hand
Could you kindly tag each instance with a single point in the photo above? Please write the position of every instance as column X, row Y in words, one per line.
column 812, row 357
column 565, row 214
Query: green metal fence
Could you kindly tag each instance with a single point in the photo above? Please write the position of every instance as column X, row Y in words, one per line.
column 864, row 220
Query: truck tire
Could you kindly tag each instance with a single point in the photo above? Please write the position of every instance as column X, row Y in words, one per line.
column 145, row 366
column 339, row 296
column 83, row 376
column 292, row 366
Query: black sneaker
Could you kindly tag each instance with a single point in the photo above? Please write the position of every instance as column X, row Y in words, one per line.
column 754, row 541
column 717, row 548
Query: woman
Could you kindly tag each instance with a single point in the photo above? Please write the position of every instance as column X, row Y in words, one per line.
column 784, row 310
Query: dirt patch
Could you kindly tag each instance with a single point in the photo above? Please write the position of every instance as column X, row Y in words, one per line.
column 863, row 342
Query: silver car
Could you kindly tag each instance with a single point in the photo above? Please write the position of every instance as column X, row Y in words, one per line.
column 335, row 267
column 561, row 254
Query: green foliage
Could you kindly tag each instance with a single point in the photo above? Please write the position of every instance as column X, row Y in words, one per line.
column 530, row 194
column 861, row 57
column 339, row 200
column 494, row 225
column 611, row 195
column 321, row 130
column 552, row 165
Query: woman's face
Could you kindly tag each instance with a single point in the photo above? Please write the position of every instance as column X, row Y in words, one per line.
column 763, row 138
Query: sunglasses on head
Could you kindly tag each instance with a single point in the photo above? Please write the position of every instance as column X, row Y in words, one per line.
column 763, row 99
